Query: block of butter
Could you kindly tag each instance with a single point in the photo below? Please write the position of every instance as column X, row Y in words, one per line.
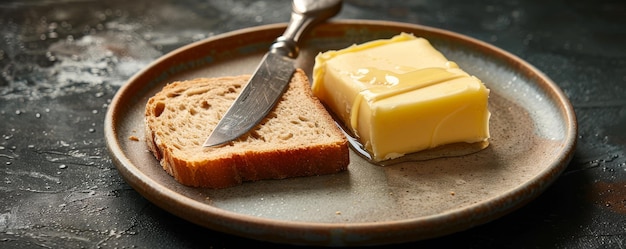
column 401, row 95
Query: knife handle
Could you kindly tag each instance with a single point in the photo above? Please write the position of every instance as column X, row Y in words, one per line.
column 304, row 15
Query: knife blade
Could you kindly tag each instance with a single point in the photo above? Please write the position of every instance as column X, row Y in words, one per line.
column 272, row 76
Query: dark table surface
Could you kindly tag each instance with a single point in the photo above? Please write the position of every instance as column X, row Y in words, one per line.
column 61, row 63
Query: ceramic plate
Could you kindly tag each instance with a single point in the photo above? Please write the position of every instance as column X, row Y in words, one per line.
column 533, row 131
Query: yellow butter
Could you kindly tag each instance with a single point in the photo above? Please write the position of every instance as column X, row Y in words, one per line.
column 401, row 95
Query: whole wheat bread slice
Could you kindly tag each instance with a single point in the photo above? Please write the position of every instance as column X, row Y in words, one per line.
column 298, row 138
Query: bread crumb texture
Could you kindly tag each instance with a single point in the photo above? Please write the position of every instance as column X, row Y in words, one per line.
column 298, row 138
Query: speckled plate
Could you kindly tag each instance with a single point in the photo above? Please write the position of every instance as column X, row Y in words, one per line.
column 533, row 130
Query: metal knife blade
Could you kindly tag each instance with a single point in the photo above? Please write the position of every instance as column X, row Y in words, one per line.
column 272, row 76
column 256, row 100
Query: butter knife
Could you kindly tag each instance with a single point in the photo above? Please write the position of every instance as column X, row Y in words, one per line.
column 272, row 76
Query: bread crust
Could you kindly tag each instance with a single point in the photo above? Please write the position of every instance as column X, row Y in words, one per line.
column 251, row 157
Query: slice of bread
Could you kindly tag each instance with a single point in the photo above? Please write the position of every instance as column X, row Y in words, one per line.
column 298, row 138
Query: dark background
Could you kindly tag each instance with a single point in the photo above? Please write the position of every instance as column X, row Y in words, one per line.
column 61, row 63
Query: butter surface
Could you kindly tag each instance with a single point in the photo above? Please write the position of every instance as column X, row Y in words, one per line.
column 401, row 95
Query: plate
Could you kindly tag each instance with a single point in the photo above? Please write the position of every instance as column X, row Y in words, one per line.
column 533, row 134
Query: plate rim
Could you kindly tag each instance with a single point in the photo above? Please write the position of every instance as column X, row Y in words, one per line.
column 363, row 233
